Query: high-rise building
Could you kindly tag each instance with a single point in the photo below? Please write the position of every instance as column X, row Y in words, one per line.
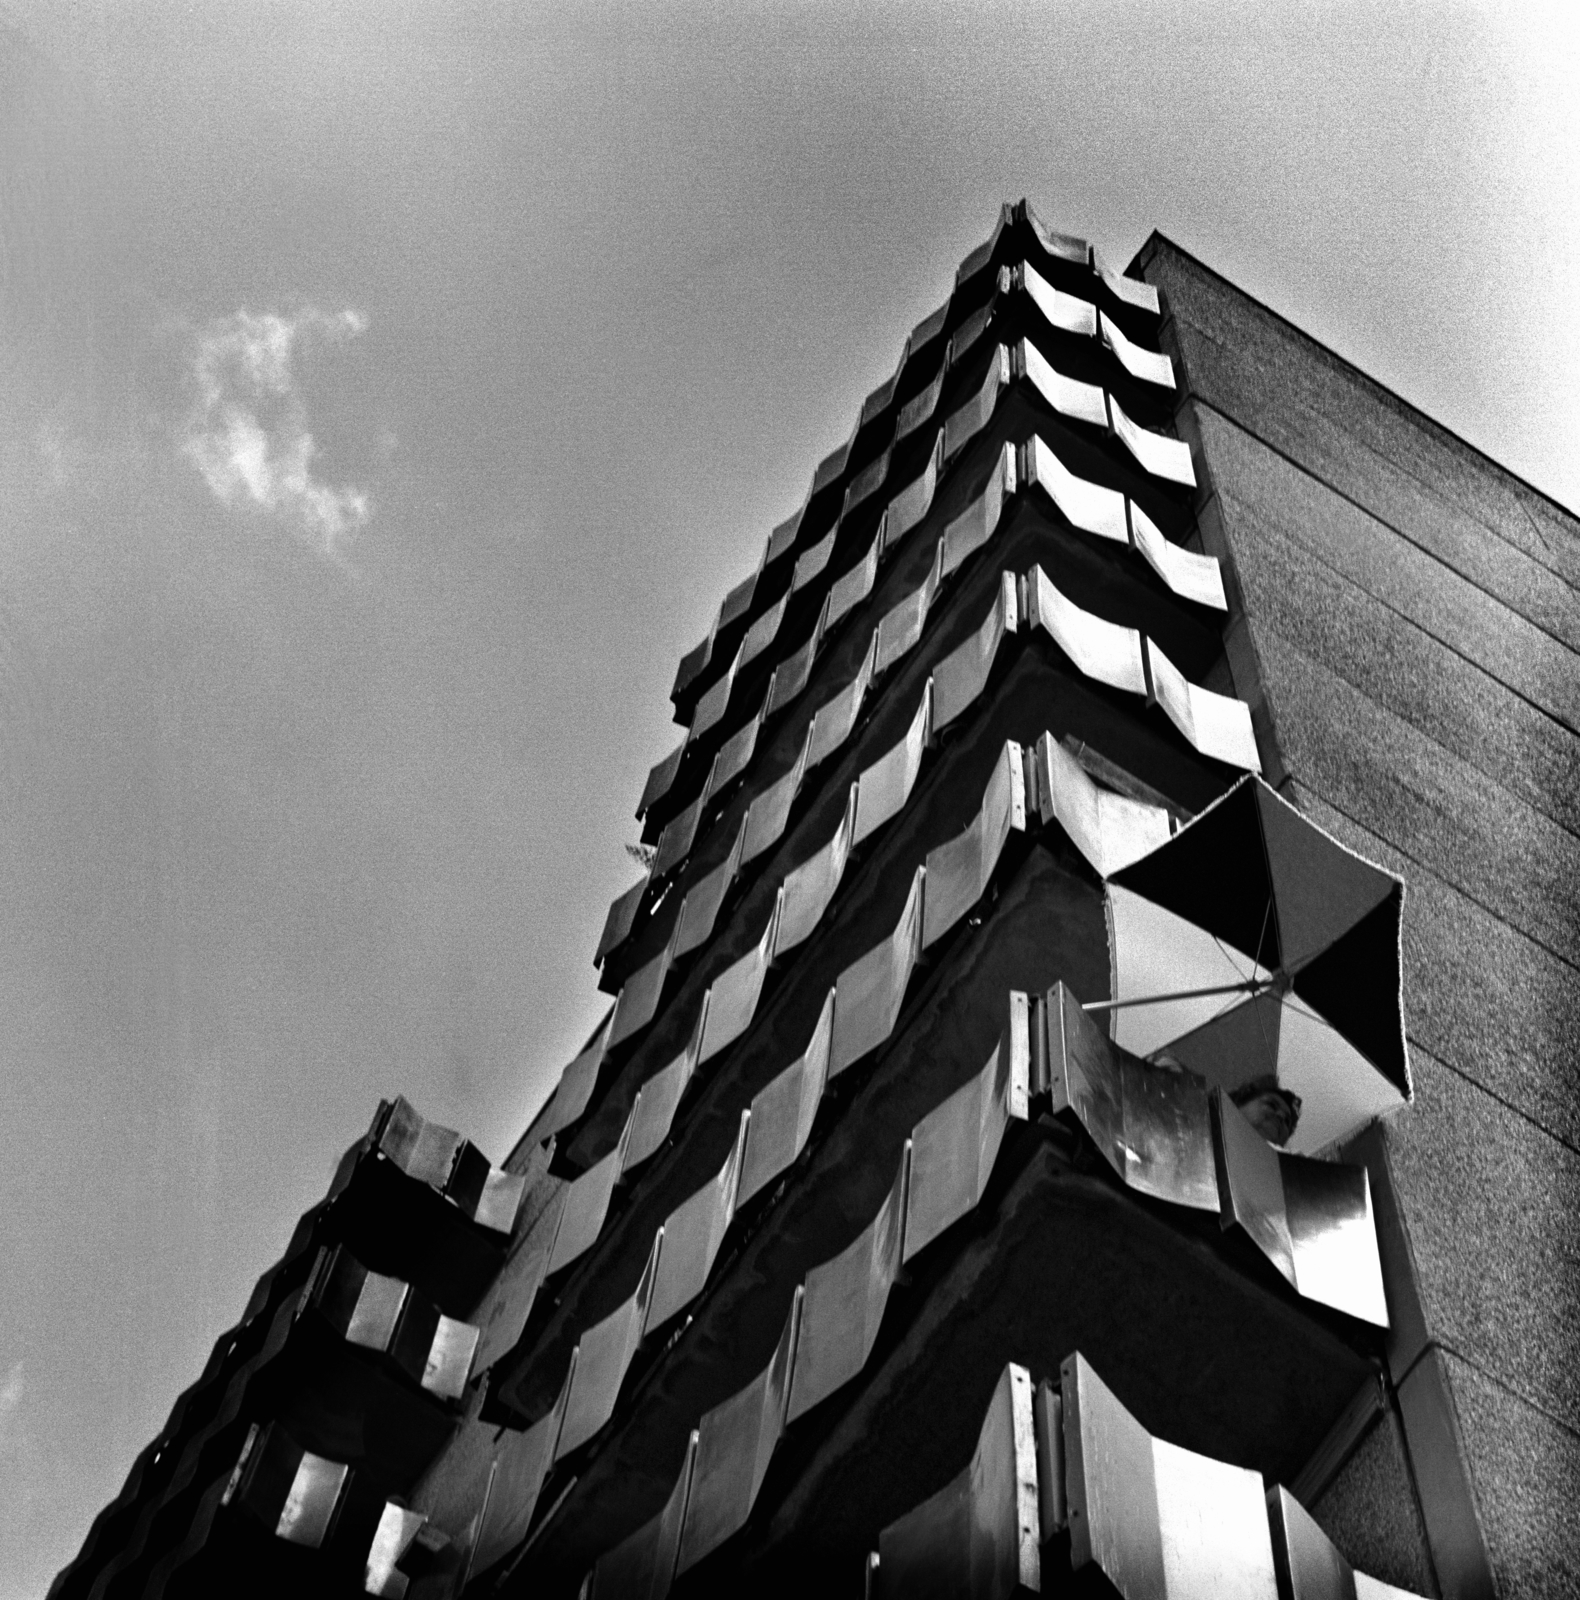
column 1002, row 1168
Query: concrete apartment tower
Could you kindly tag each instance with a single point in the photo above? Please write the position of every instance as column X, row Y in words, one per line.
column 1086, row 1105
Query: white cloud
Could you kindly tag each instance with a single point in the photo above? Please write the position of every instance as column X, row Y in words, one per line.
column 248, row 433
column 19, row 1461
column 42, row 1514
column 11, row 1392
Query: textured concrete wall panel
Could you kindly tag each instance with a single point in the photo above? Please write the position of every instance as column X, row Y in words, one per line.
column 1525, row 1469
column 1377, row 768
column 1369, row 1511
column 1478, row 994
column 1407, row 671
column 1372, row 447
column 1413, row 612
column 1489, row 1202
column 1269, row 501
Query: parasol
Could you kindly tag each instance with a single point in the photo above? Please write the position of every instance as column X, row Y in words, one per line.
column 1255, row 949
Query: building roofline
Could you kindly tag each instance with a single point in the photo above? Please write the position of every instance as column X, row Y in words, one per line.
column 1157, row 241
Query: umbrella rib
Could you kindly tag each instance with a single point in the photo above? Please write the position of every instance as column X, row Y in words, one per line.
column 1261, row 937
column 1261, row 1025
column 1230, row 954
column 1272, row 1050
column 1250, row 986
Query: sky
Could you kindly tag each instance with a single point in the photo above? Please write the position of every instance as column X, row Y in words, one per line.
column 388, row 395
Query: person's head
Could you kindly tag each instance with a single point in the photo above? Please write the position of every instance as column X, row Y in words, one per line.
column 1272, row 1111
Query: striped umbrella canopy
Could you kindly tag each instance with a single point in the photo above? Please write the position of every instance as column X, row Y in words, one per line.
column 1259, row 951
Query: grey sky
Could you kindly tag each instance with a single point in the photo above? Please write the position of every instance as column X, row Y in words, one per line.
column 390, row 394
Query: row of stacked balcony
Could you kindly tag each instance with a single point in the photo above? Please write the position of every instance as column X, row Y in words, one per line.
column 1075, row 295
column 347, row 1374
column 700, row 1219
column 1118, row 658
column 1065, row 1484
column 801, row 602
column 166, row 1451
column 358, row 1355
column 366, row 1516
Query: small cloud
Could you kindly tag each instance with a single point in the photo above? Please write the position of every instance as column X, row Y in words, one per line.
column 248, row 433
column 39, row 1495
column 12, row 1388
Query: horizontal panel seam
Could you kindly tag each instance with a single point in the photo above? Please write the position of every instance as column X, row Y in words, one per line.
column 1333, row 358
column 1514, row 797
column 1228, row 499
column 1246, row 427
column 1508, row 1105
column 1415, row 860
column 1571, row 1427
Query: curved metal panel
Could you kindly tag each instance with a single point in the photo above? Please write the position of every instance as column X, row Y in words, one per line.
column 900, row 628
column 574, row 1090
column 618, row 924
column 732, row 997
column 653, row 1111
column 699, row 909
column 791, row 675
column 851, row 588
column 977, row 523
column 693, row 1232
column 914, row 501
column 869, row 993
column 1130, row 290
column 783, row 1111
column 978, row 1537
column 969, row 419
column 1312, row 1219
column 603, row 1353
column 735, row 1443
column 961, row 676
column 674, row 843
column 1156, row 453
column 1069, row 397
column 1191, row 576
column 660, row 778
column 953, row 1149
column 958, row 871
column 585, row 1206
column 811, row 562
column 1064, row 311
column 769, row 811
column 837, row 716
column 1103, row 651
column 763, row 631
column 638, row 999
column 1214, row 724
column 642, row 1565
column 844, row 1302
column 885, row 786
column 1152, row 1125
column 1110, row 830
column 1160, row 1522
column 810, row 887
column 730, row 760
column 1087, row 506
column 1147, row 365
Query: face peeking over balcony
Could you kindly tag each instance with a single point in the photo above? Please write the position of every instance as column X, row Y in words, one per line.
column 1272, row 1111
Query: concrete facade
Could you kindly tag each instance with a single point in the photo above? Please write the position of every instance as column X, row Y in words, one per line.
column 1407, row 632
